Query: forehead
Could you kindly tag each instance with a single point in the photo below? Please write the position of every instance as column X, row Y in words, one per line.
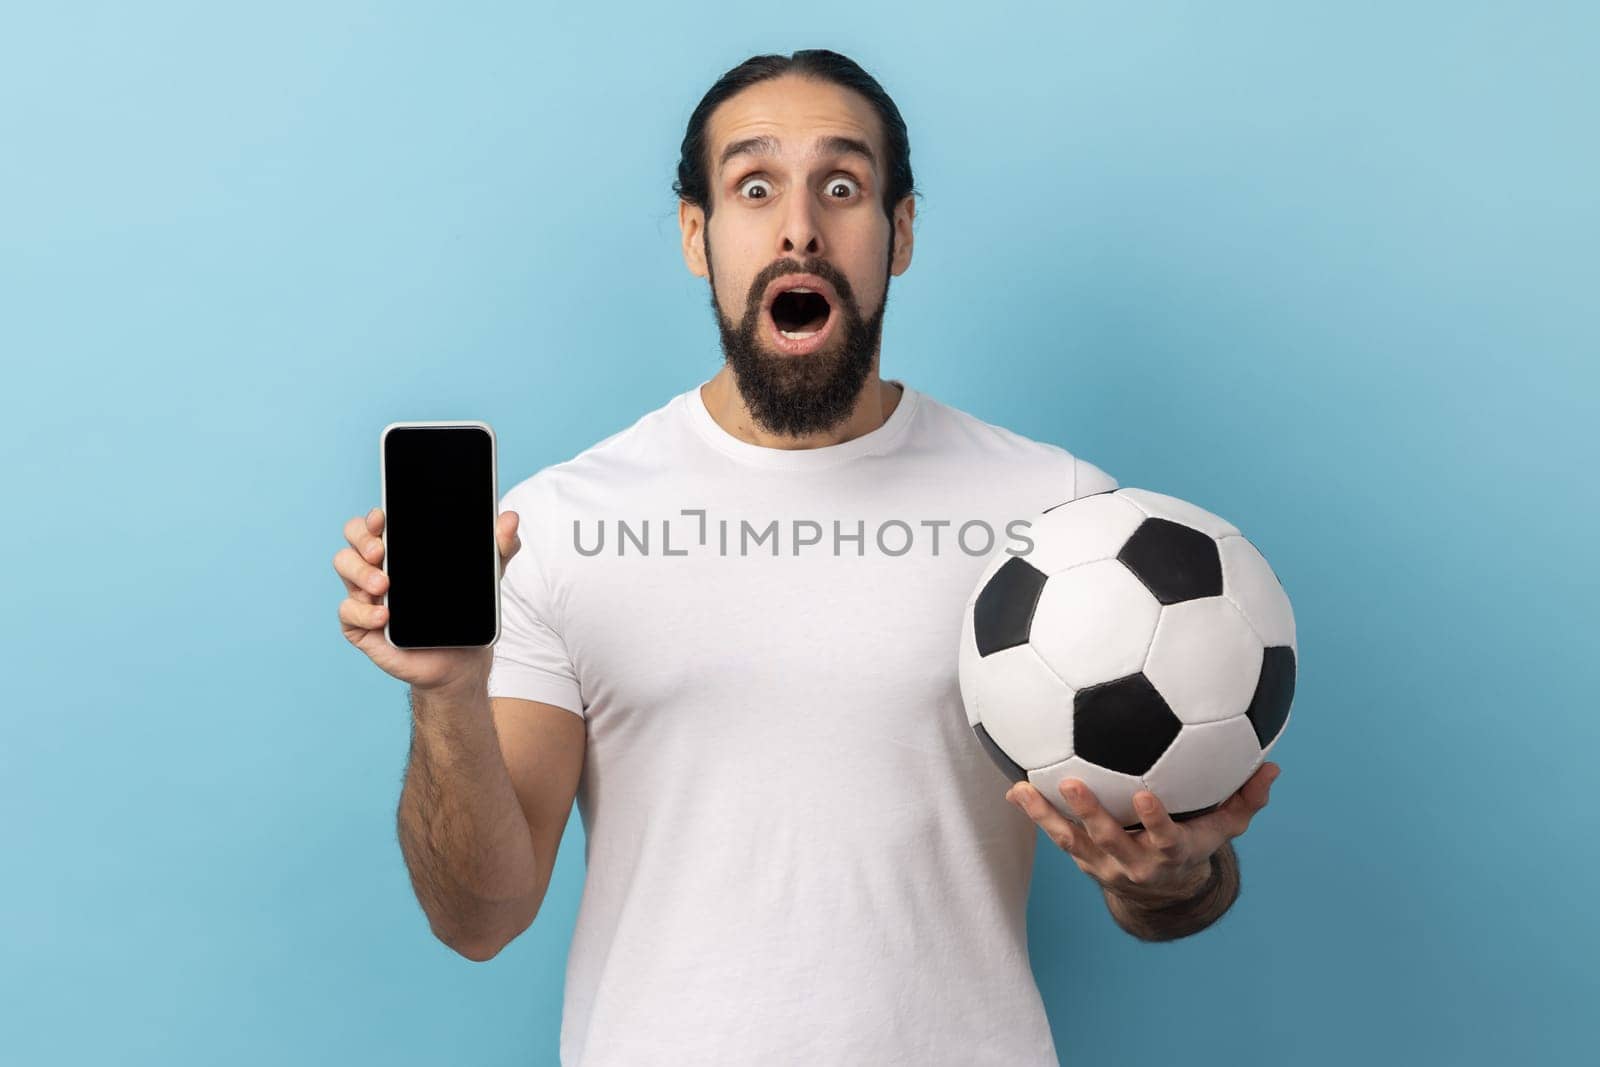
column 797, row 111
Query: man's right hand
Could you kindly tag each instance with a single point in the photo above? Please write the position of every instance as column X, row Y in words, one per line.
column 362, row 616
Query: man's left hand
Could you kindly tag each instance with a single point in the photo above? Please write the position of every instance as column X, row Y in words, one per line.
column 1160, row 862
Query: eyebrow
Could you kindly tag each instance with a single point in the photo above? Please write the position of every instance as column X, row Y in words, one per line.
column 767, row 145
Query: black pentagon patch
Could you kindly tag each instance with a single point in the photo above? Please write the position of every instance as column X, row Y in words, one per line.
column 1007, row 765
column 1123, row 725
column 1175, row 562
column 1269, row 708
column 1002, row 612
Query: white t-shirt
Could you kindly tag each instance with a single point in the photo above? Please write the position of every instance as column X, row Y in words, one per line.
column 797, row 850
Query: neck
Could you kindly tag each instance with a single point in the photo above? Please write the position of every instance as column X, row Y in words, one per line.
column 873, row 406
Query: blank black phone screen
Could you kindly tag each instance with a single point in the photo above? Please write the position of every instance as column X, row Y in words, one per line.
column 440, row 553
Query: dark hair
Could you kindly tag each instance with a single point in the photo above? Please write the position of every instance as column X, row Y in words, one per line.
column 822, row 65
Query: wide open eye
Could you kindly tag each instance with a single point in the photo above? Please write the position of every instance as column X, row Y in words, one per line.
column 847, row 182
column 746, row 184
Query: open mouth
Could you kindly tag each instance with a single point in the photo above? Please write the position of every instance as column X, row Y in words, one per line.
column 800, row 313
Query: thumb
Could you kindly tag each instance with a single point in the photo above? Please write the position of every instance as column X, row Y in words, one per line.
column 507, row 536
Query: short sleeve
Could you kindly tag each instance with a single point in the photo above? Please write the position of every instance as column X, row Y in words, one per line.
column 531, row 661
column 1090, row 479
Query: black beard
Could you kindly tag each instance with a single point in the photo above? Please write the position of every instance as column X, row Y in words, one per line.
column 796, row 395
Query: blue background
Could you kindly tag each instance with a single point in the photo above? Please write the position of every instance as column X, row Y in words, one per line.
column 1328, row 270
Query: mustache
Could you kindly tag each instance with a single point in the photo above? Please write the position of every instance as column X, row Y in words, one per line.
column 820, row 267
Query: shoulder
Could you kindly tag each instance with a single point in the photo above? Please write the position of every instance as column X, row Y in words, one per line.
column 970, row 435
column 633, row 455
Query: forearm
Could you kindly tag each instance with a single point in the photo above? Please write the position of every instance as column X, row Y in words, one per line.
column 462, row 831
column 1170, row 920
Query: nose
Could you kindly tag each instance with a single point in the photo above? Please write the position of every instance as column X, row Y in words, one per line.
column 800, row 230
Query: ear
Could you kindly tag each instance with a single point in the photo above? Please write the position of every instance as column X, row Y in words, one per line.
column 904, row 213
column 692, row 224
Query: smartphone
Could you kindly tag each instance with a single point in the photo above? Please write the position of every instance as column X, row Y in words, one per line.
column 440, row 501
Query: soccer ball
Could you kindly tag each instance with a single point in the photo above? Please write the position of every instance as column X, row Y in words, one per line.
column 1140, row 643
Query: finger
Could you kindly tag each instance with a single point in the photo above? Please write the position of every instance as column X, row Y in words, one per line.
column 355, row 532
column 375, row 520
column 359, row 615
column 1055, row 825
column 1260, row 784
column 1104, row 830
column 1248, row 799
column 361, row 580
column 1160, row 832
column 508, row 539
column 362, row 538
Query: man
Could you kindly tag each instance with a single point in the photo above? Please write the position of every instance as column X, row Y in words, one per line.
column 730, row 636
